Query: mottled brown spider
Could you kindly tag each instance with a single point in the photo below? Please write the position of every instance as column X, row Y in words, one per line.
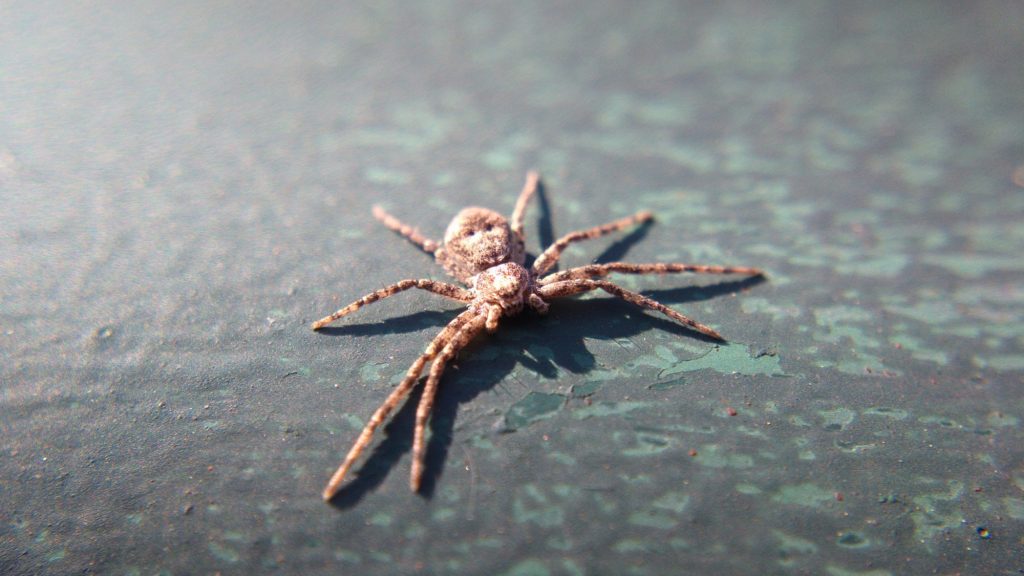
column 486, row 253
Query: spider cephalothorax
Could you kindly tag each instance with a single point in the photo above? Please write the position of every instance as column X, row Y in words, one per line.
column 486, row 252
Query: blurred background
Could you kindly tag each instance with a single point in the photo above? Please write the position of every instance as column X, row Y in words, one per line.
column 185, row 186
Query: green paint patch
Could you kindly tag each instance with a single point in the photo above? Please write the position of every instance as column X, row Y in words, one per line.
column 631, row 546
column 792, row 547
column 974, row 266
column 928, row 311
column 852, row 540
column 712, row 456
column 730, row 359
column 442, row 514
column 652, row 520
column 223, row 553
column 1000, row 363
column 608, row 409
column 853, row 447
column 919, row 351
column 380, row 519
column 748, row 489
column 886, row 412
column 806, row 494
column 648, row 445
column 528, row 567
column 562, row 458
column 778, row 312
column 531, row 506
column 673, row 501
column 667, row 384
column 834, row 570
column 535, row 406
column 347, row 556
column 941, row 421
column 56, row 555
column 886, row 266
column 1014, row 507
column 937, row 513
column 836, row 419
column 586, row 389
column 386, row 177
column 1001, row 420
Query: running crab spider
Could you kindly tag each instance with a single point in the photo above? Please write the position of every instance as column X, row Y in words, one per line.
column 486, row 253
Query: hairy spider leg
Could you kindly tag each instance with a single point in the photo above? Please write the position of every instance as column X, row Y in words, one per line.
column 447, row 290
column 394, row 399
column 411, row 234
column 455, row 343
column 529, row 189
column 579, row 285
column 598, row 270
column 545, row 261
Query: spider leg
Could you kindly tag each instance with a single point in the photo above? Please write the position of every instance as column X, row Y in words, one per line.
column 456, row 343
column 545, row 261
column 447, row 290
column 393, row 400
column 597, row 270
column 580, row 285
column 411, row 234
column 529, row 188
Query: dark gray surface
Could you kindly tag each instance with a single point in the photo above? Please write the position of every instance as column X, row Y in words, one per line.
column 186, row 186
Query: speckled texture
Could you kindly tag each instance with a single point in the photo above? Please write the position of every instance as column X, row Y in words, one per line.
column 185, row 186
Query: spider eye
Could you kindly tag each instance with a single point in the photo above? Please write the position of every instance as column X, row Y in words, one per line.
column 489, row 228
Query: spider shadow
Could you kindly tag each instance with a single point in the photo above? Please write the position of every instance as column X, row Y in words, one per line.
column 538, row 345
column 546, row 235
column 398, row 325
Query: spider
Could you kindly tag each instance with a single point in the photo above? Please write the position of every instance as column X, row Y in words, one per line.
column 486, row 253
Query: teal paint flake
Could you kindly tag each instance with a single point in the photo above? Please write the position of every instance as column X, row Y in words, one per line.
column 648, row 445
column 223, row 553
column 56, row 555
column 1002, row 420
column 380, row 519
column 975, row 266
column 729, row 359
column 372, row 371
column 836, row 419
column 348, row 556
column 386, row 177
column 1014, row 507
column 937, row 513
column 791, row 547
column 601, row 409
column 834, row 570
column 884, row 266
column 443, row 514
column 886, row 412
column 531, row 506
column 652, row 520
column 749, row 489
column 919, row 351
column 631, row 546
column 535, row 406
column 1000, row 363
column 806, row 494
column 528, row 567
column 713, row 456
column 927, row 310
column 777, row 311
column 673, row 502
